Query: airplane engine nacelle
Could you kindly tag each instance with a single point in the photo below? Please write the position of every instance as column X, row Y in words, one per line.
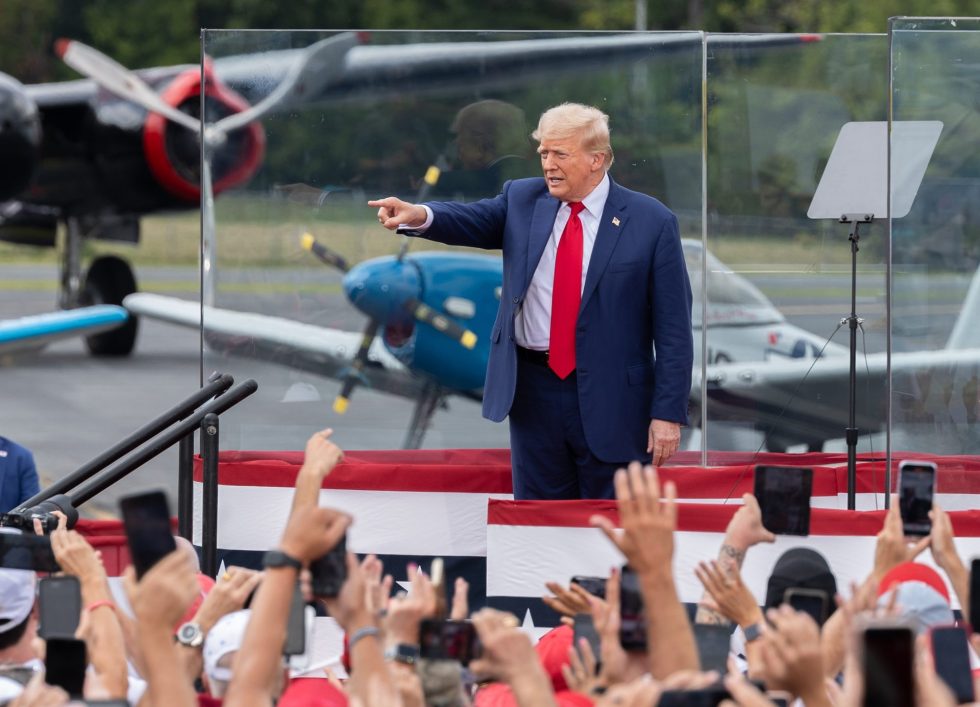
column 173, row 151
column 20, row 137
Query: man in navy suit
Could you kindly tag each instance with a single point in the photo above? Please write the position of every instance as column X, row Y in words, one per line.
column 594, row 283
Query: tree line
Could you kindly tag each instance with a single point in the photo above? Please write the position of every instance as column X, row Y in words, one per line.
column 141, row 33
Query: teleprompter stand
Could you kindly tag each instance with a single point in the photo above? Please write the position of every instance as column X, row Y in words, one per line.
column 856, row 187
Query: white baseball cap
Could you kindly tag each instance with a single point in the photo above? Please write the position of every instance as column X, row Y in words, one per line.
column 18, row 589
column 225, row 637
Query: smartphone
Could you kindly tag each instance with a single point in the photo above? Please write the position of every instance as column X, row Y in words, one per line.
column 448, row 640
column 887, row 653
column 714, row 644
column 916, row 484
column 19, row 551
column 64, row 665
column 60, row 602
column 300, row 662
column 814, row 602
column 710, row 696
column 784, row 494
column 146, row 518
column 328, row 574
column 632, row 618
column 951, row 656
column 706, row 697
column 596, row 586
column 583, row 627
column 975, row 593
column 296, row 625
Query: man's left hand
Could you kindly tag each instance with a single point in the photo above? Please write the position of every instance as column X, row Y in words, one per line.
column 662, row 440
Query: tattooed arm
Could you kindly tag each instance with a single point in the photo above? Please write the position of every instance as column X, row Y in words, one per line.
column 744, row 530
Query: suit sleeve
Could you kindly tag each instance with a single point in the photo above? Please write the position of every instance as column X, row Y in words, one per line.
column 27, row 473
column 479, row 224
column 673, row 339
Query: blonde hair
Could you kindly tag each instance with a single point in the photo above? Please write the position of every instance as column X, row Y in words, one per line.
column 589, row 124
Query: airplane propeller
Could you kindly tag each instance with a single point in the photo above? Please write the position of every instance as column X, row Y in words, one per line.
column 415, row 307
column 429, row 182
column 318, row 66
column 326, row 256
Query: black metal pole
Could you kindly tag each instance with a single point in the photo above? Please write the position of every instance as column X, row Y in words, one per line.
column 851, row 432
column 185, row 486
column 110, row 476
column 180, row 411
column 209, row 496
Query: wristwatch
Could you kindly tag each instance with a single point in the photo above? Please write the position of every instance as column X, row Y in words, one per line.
column 190, row 635
column 752, row 632
column 403, row 653
column 278, row 558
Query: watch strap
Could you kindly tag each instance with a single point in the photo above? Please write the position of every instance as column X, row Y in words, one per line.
column 752, row 632
column 403, row 653
column 278, row 558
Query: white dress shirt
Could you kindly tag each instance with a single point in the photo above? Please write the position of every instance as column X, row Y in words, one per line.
column 532, row 324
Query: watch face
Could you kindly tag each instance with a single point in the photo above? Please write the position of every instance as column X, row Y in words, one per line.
column 188, row 634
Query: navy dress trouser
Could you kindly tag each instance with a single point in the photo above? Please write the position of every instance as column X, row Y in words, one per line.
column 550, row 459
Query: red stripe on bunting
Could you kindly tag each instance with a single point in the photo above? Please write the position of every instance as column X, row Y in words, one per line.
column 488, row 471
column 358, row 473
column 699, row 517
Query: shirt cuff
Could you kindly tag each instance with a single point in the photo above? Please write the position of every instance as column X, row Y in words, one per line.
column 428, row 220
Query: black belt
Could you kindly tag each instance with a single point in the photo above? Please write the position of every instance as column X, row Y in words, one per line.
column 539, row 358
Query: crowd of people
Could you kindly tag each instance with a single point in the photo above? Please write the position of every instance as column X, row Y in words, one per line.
column 234, row 654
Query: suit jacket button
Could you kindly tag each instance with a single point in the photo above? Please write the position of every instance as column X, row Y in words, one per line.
column 516, row 300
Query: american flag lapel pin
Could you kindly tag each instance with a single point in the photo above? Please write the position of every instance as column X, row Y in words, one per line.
column 615, row 221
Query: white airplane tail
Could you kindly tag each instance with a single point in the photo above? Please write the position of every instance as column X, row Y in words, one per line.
column 966, row 331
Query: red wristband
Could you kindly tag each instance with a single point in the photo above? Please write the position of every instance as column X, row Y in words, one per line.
column 99, row 604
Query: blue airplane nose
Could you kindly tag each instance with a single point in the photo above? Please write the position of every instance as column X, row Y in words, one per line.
column 381, row 287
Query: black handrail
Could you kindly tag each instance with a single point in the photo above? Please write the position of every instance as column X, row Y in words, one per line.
column 185, row 487
column 218, row 384
column 110, row 476
column 209, row 495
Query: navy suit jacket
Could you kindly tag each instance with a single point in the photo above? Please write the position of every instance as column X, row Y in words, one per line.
column 18, row 475
column 637, row 298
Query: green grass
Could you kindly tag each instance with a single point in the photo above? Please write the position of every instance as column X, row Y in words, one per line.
column 265, row 233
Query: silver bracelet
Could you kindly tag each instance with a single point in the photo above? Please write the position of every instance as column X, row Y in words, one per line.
column 362, row 633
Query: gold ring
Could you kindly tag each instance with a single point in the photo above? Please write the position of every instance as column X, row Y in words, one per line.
column 226, row 576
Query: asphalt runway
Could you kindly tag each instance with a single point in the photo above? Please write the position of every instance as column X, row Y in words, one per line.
column 68, row 406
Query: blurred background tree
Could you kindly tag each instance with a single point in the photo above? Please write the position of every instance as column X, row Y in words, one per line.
column 142, row 33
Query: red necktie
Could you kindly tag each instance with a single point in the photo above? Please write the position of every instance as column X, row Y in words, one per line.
column 566, row 295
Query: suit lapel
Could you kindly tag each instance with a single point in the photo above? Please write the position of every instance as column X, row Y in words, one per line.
column 611, row 229
column 542, row 223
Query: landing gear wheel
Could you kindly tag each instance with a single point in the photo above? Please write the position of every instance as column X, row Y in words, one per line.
column 108, row 280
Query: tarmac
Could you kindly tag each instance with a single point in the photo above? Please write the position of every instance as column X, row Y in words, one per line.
column 68, row 407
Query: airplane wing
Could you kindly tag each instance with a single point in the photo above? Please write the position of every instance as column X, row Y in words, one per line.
column 806, row 401
column 37, row 331
column 307, row 347
column 377, row 68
